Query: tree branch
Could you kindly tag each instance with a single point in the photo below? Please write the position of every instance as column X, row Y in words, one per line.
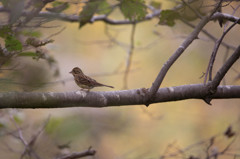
column 224, row 69
column 156, row 84
column 113, row 98
column 129, row 57
column 214, row 53
column 76, row 155
column 104, row 18
column 158, row 81
column 225, row 16
column 209, row 35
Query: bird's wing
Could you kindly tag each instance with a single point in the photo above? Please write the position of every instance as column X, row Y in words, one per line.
column 88, row 81
column 93, row 82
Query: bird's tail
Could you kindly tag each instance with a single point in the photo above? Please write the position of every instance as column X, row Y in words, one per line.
column 109, row 86
column 103, row 85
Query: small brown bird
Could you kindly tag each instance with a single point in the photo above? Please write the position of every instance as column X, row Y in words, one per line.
column 84, row 81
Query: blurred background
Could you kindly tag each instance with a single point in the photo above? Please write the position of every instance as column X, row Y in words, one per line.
column 122, row 132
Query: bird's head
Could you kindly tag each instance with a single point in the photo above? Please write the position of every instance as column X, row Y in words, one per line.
column 76, row 70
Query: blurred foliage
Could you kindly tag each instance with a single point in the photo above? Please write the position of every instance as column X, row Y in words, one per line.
column 24, row 43
column 31, row 54
column 114, row 132
column 53, row 124
column 56, row 3
column 133, row 9
column 5, row 31
column 13, row 44
column 88, row 11
column 36, row 34
column 168, row 17
column 156, row 4
column 58, row 7
column 17, row 119
column 104, row 8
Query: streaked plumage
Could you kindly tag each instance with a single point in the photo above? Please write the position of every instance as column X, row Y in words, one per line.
column 84, row 81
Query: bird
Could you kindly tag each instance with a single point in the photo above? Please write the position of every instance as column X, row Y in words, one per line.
column 84, row 81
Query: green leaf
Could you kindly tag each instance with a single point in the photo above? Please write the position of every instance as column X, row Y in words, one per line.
column 12, row 44
column 58, row 7
column 88, row 11
column 17, row 119
column 5, row 31
column 53, row 124
column 155, row 4
column 56, row 3
column 30, row 54
column 104, row 7
column 2, row 125
column 133, row 9
column 168, row 17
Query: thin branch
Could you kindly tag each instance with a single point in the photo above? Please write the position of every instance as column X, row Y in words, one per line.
column 129, row 58
column 156, row 84
column 225, row 16
column 104, row 18
column 234, row 11
column 35, row 136
column 188, row 148
column 224, row 60
column 192, row 9
column 211, row 142
column 209, row 35
column 54, row 34
column 224, row 69
column 76, row 155
column 214, row 53
column 107, row 20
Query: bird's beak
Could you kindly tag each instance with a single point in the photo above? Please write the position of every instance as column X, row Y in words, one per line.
column 70, row 72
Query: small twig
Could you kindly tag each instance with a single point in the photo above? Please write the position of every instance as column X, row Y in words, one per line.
column 76, row 155
column 209, row 146
column 54, row 34
column 188, row 148
column 192, row 9
column 35, row 136
column 19, row 130
column 209, row 35
column 29, row 145
column 129, row 58
column 228, row 17
column 224, row 60
column 224, row 150
column 234, row 11
column 113, row 39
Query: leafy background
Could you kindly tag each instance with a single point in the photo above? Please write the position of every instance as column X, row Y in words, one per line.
column 121, row 132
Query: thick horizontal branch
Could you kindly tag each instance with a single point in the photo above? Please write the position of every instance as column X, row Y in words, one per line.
column 113, row 98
